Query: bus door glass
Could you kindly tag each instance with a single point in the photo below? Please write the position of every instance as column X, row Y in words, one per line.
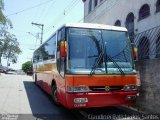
column 60, row 60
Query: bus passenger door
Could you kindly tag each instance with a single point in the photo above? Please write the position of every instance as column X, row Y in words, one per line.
column 61, row 67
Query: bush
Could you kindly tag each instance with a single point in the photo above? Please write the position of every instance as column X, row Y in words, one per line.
column 27, row 67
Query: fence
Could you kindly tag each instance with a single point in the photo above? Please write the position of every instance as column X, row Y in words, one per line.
column 148, row 43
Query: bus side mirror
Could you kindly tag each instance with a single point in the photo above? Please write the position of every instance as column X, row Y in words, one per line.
column 63, row 48
column 135, row 51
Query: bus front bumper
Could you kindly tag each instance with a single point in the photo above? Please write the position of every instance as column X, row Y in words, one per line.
column 87, row 100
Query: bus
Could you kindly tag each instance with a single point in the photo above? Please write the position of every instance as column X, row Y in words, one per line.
column 84, row 65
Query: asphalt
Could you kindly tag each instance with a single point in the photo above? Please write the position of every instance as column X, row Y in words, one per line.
column 20, row 98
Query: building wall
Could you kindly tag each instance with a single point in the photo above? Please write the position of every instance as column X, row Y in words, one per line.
column 149, row 97
column 107, row 12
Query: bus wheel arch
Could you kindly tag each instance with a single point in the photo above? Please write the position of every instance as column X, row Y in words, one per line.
column 54, row 92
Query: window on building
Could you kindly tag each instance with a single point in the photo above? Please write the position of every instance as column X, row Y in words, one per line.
column 158, row 6
column 90, row 6
column 158, row 46
column 118, row 23
column 144, row 11
column 95, row 3
column 130, row 25
column 143, row 48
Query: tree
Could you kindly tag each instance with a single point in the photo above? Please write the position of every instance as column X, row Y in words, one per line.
column 4, row 21
column 9, row 48
column 27, row 67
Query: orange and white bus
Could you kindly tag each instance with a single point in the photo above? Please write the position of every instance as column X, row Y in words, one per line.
column 86, row 65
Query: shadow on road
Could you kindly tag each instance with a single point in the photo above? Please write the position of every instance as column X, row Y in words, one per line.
column 42, row 106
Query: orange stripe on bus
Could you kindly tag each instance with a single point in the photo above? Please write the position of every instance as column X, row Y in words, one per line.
column 100, row 80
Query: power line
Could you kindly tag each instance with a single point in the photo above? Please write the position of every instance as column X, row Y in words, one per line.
column 44, row 14
column 64, row 13
column 71, row 7
column 26, row 9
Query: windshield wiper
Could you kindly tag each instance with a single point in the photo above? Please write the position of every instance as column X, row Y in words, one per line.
column 97, row 62
column 115, row 63
column 103, row 54
column 106, row 56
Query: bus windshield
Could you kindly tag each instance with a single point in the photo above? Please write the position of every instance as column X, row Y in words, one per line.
column 98, row 51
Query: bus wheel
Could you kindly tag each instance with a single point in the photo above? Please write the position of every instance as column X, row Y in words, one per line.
column 54, row 95
column 35, row 79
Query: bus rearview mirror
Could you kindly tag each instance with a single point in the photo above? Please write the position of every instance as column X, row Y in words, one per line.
column 135, row 51
column 63, row 48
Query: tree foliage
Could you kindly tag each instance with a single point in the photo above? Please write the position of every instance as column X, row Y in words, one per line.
column 27, row 66
column 9, row 46
column 4, row 21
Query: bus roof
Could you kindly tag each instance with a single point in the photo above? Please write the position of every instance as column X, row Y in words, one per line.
column 95, row 26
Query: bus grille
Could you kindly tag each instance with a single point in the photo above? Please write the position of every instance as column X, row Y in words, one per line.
column 103, row 88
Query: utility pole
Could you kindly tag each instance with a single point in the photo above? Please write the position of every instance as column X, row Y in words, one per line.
column 41, row 27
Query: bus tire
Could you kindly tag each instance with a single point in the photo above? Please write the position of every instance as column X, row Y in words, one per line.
column 35, row 79
column 54, row 95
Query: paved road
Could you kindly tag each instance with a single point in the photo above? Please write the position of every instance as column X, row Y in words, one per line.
column 20, row 97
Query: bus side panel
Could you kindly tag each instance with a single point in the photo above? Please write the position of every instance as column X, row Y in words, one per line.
column 61, row 89
column 46, row 82
column 60, row 84
column 69, row 82
column 43, row 80
column 46, row 73
column 45, row 76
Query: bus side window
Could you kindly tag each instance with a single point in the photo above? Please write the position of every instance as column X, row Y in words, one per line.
column 48, row 49
column 34, row 58
column 60, row 61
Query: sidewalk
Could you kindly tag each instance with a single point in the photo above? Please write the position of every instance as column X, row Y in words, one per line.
column 2, row 74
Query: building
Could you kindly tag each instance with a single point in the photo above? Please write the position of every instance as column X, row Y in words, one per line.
column 142, row 19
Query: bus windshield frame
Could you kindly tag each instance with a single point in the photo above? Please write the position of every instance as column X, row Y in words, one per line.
column 98, row 51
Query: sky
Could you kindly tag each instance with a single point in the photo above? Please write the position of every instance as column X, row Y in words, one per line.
column 51, row 13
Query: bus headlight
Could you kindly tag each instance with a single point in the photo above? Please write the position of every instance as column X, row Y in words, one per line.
column 129, row 88
column 78, row 89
